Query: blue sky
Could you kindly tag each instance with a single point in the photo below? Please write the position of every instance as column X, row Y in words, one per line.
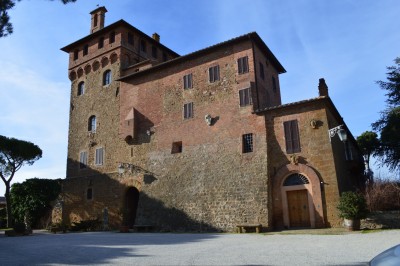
column 349, row 43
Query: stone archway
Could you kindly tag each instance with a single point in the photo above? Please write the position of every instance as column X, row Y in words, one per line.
column 308, row 193
column 131, row 200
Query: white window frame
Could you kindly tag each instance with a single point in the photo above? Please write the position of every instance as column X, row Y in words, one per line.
column 99, row 156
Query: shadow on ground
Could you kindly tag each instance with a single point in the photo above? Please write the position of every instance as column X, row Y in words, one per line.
column 85, row 248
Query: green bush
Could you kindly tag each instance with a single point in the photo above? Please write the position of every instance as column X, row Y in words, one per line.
column 3, row 218
column 352, row 205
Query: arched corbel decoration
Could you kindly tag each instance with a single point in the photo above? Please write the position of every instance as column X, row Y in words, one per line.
column 72, row 75
column 95, row 65
column 113, row 58
column 80, row 72
column 88, row 68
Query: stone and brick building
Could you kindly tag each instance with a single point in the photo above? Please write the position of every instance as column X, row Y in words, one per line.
column 197, row 142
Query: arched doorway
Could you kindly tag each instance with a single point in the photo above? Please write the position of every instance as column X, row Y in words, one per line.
column 131, row 201
column 296, row 188
column 297, row 197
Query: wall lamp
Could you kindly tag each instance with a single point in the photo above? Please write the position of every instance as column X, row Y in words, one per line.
column 340, row 131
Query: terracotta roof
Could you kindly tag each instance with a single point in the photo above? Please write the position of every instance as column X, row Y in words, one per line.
column 252, row 36
column 119, row 23
column 291, row 104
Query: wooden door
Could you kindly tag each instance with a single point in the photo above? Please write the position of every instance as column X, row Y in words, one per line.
column 299, row 213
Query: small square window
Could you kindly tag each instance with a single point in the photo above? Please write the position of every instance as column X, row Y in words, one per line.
column 187, row 82
column 83, row 160
column 176, row 147
column 112, row 37
column 262, row 74
column 243, row 65
column 213, row 73
column 143, row 47
column 100, row 43
column 247, row 143
column 130, row 38
column 154, row 52
column 85, row 49
column 76, row 54
column 188, row 110
column 245, row 97
column 99, row 156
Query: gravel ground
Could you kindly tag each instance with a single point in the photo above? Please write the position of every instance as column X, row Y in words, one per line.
column 106, row 248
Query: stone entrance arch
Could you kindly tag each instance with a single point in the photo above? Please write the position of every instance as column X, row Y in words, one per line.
column 307, row 195
column 131, row 200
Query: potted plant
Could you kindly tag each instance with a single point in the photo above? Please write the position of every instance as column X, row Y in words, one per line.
column 352, row 208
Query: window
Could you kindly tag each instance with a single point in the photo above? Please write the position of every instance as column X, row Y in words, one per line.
column 187, row 81
column 164, row 56
column 245, row 97
column 262, row 75
column 107, row 77
column 112, row 37
column 81, row 88
column 143, row 46
column 247, row 141
column 95, row 20
column 188, row 110
column 99, row 156
column 92, row 124
column 85, row 49
column 154, row 52
column 89, row 194
column 243, row 65
column 83, row 159
column 273, row 84
column 76, row 54
column 176, row 147
column 295, row 179
column 292, row 138
column 213, row 73
column 101, row 43
column 130, row 38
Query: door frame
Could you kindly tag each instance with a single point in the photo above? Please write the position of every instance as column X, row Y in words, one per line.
column 311, row 213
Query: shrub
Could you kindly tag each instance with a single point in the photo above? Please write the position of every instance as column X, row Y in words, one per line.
column 383, row 195
column 352, row 205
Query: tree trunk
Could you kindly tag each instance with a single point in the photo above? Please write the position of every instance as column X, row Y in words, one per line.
column 10, row 220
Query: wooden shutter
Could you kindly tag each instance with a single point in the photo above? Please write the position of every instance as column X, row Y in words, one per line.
column 292, row 138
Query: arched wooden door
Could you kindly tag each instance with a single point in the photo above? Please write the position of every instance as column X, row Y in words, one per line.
column 299, row 211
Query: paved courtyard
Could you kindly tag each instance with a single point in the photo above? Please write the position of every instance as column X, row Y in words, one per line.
column 106, row 248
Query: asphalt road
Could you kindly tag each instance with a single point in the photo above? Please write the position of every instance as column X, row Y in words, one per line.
column 111, row 248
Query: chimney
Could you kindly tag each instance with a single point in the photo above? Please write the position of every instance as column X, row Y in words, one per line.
column 322, row 88
column 156, row 37
column 98, row 18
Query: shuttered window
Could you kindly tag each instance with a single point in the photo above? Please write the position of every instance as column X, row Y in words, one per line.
column 213, row 73
column 292, row 138
column 99, row 156
column 243, row 65
column 187, row 82
column 83, row 160
column 188, row 110
column 245, row 97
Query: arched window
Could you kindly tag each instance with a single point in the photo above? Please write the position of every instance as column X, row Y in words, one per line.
column 81, row 88
column 295, row 179
column 107, row 77
column 92, row 124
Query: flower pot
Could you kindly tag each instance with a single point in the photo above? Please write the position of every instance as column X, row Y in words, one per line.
column 352, row 224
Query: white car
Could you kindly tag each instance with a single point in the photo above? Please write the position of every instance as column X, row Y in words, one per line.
column 389, row 257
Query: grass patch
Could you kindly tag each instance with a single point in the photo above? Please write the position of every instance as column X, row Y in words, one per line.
column 368, row 231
